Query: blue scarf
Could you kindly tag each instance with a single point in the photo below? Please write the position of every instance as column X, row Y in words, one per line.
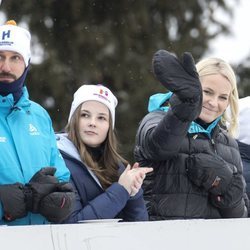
column 155, row 102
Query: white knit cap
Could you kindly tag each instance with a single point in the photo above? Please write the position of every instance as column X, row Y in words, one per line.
column 17, row 39
column 94, row 93
column 244, row 123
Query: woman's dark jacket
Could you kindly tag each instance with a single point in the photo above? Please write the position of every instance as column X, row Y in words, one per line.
column 93, row 202
column 164, row 142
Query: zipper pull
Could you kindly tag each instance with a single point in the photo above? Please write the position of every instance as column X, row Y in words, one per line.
column 213, row 143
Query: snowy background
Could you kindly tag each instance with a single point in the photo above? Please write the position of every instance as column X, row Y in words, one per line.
column 234, row 47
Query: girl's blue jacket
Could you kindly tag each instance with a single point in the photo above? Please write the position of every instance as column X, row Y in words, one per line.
column 93, row 202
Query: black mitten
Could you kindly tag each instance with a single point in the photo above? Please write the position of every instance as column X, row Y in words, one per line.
column 12, row 197
column 41, row 184
column 185, row 111
column 231, row 203
column 210, row 172
column 177, row 76
column 57, row 206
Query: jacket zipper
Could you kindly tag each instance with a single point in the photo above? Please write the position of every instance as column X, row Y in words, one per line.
column 213, row 145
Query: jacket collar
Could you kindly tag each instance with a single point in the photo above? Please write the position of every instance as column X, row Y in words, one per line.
column 155, row 104
column 7, row 102
column 66, row 146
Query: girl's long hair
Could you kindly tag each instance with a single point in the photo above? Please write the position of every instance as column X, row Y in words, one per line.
column 106, row 167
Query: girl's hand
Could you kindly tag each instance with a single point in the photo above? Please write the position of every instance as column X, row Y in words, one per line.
column 132, row 178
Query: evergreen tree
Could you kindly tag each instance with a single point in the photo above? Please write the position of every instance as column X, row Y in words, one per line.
column 109, row 42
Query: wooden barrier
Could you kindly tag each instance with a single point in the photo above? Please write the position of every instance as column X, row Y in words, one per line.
column 224, row 234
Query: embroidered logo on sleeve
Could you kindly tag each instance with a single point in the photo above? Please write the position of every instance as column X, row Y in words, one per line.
column 3, row 139
column 33, row 130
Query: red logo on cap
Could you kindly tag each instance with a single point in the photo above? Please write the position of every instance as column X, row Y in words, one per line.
column 102, row 92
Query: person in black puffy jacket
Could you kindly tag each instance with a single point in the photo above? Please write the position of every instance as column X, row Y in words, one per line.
column 197, row 164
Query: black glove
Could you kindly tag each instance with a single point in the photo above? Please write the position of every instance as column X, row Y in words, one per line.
column 178, row 76
column 41, row 184
column 18, row 199
column 231, row 203
column 12, row 197
column 210, row 172
column 57, row 206
column 185, row 111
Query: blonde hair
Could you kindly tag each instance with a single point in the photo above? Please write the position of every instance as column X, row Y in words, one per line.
column 105, row 168
column 211, row 66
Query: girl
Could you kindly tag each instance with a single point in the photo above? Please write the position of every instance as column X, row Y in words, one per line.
column 106, row 189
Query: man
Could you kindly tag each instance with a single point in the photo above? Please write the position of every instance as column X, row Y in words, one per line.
column 30, row 192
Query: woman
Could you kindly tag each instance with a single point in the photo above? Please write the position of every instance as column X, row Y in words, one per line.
column 197, row 165
column 106, row 190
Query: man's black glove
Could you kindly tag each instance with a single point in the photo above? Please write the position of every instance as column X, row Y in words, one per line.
column 178, row 76
column 41, row 184
column 13, row 202
column 18, row 199
column 57, row 206
column 209, row 171
column 231, row 204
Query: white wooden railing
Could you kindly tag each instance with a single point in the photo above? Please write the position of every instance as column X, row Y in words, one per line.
column 226, row 234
